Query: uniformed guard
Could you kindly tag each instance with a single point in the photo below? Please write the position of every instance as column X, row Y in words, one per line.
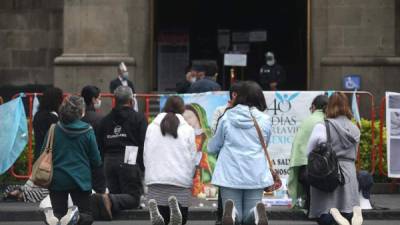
column 272, row 75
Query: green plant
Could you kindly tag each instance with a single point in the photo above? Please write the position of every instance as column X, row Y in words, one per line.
column 366, row 149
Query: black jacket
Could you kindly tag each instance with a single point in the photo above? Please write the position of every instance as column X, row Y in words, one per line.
column 120, row 128
column 117, row 82
column 269, row 74
column 98, row 177
column 41, row 124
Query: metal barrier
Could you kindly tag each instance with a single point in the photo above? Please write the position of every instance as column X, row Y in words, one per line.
column 373, row 117
column 382, row 115
column 30, row 97
column 147, row 112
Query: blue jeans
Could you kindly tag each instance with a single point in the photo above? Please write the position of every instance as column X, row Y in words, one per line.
column 245, row 200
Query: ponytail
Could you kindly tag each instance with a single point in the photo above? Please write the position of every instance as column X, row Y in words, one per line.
column 169, row 125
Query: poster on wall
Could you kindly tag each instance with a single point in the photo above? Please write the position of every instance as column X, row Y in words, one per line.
column 287, row 109
column 393, row 133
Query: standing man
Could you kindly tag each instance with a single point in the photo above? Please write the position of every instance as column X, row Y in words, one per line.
column 204, row 80
column 122, row 79
column 272, row 75
column 121, row 138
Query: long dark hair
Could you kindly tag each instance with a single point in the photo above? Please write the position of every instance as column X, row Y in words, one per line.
column 88, row 93
column 250, row 94
column 51, row 99
column 170, row 123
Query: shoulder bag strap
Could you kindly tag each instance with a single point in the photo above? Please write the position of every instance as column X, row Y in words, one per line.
column 50, row 138
column 328, row 132
column 261, row 138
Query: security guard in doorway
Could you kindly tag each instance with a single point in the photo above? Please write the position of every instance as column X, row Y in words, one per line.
column 272, row 75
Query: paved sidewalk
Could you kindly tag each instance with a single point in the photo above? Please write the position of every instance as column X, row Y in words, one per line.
column 387, row 208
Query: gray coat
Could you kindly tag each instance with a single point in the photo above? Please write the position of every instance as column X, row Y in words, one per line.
column 345, row 137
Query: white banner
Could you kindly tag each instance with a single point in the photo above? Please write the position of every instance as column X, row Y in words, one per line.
column 287, row 110
column 393, row 133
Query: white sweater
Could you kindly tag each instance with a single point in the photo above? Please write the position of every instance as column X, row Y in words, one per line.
column 168, row 160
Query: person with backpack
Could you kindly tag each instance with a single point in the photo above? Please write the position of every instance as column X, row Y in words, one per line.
column 298, row 188
column 242, row 170
column 338, row 137
column 170, row 159
column 121, row 136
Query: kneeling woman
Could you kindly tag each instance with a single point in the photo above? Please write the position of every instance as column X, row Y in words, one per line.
column 242, row 169
column 170, row 160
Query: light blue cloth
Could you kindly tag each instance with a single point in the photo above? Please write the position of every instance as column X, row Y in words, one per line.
column 241, row 163
column 244, row 201
column 13, row 132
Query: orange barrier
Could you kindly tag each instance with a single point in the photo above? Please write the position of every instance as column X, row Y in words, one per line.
column 147, row 111
column 373, row 117
column 382, row 115
column 30, row 97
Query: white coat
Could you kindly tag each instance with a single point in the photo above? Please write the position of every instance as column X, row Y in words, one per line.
column 168, row 160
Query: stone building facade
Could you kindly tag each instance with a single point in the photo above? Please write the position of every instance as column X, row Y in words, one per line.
column 71, row 43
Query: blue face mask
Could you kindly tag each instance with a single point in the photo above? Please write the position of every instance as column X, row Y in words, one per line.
column 125, row 75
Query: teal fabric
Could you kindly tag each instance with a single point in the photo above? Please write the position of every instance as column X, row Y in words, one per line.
column 13, row 132
column 298, row 156
column 75, row 153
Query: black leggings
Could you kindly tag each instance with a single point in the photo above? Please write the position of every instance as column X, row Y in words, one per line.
column 59, row 202
column 164, row 211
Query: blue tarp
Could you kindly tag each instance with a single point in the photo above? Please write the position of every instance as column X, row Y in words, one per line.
column 13, row 132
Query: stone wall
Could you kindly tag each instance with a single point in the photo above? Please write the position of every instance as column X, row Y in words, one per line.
column 30, row 38
column 356, row 37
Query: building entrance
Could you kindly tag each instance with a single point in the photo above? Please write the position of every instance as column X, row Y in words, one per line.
column 196, row 31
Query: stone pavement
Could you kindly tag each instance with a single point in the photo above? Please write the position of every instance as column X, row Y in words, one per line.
column 387, row 207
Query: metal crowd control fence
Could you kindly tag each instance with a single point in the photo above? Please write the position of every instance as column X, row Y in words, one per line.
column 371, row 99
column 30, row 97
column 382, row 115
column 146, row 101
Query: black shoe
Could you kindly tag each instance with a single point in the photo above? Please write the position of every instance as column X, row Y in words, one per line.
column 228, row 217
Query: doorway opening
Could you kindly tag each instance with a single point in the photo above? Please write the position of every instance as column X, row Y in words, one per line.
column 188, row 32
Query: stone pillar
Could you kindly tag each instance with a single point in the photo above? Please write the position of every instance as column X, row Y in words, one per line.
column 356, row 37
column 96, row 40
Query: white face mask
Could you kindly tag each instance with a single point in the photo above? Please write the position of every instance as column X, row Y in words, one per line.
column 193, row 79
column 97, row 105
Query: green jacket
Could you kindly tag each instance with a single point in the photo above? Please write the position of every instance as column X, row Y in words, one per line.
column 298, row 156
column 75, row 152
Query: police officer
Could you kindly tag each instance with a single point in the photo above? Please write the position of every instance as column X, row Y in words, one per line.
column 272, row 75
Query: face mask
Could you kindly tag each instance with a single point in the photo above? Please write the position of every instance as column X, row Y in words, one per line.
column 193, row 80
column 270, row 62
column 97, row 105
column 125, row 75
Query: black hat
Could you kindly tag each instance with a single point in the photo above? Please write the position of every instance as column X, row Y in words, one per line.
column 365, row 181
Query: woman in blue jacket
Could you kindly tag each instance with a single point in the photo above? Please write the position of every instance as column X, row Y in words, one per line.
column 242, row 171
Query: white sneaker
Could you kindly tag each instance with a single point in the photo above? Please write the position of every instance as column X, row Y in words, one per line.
column 155, row 216
column 260, row 214
column 50, row 218
column 357, row 216
column 338, row 217
column 72, row 216
column 175, row 212
column 229, row 215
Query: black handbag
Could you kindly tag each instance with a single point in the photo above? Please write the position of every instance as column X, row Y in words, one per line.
column 323, row 169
